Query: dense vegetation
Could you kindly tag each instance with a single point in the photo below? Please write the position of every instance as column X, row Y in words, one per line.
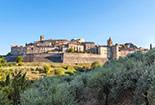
column 129, row 45
column 127, row 81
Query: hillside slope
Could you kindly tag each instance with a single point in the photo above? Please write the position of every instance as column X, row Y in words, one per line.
column 128, row 81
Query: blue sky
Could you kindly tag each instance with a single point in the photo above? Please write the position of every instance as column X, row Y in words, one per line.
column 23, row 21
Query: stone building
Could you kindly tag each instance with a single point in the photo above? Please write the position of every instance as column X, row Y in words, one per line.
column 18, row 50
column 89, row 47
column 109, row 51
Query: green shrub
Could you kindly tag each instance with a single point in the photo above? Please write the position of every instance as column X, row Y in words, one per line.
column 4, row 73
column 50, row 91
column 48, row 51
column 71, row 50
column 10, row 93
column 85, row 68
column 3, row 62
column 21, row 64
column 70, row 68
column 144, row 83
column 12, row 64
column 151, row 94
column 46, row 69
column 40, row 70
column 58, row 72
column 19, row 59
column 95, row 64
column 52, row 65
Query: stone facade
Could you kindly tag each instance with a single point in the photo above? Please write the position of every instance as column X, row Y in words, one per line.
column 79, row 46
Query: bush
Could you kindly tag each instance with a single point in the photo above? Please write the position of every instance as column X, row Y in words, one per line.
column 95, row 64
column 48, row 51
column 3, row 62
column 12, row 64
column 10, row 93
column 47, row 69
column 19, row 59
column 71, row 50
column 58, row 72
column 151, row 94
column 50, row 91
column 21, row 64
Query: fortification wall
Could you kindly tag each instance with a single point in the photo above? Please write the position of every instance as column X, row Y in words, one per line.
column 11, row 58
column 61, row 58
column 52, row 57
column 82, row 58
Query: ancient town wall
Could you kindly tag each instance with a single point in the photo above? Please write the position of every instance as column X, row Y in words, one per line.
column 82, row 58
column 60, row 58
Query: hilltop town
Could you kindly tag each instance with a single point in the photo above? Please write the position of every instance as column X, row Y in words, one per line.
column 73, row 51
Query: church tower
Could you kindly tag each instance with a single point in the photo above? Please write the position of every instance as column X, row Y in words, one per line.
column 109, row 42
column 42, row 38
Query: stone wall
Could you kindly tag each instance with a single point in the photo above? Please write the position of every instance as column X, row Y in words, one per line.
column 52, row 57
column 11, row 58
column 60, row 58
column 82, row 58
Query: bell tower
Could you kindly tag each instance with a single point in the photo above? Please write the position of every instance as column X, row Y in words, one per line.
column 109, row 42
column 42, row 38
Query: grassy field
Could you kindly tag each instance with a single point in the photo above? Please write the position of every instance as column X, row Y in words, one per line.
column 36, row 70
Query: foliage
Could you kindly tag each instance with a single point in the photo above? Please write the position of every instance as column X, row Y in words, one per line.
column 10, row 64
column 3, row 62
column 151, row 94
column 4, row 73
column 48, row 91
column 129, row 45
column 46, row 69
column 19, row 59
column 70, row 70
column 48, row 51
column 95, row 64
column 58, row 72
column 8, row 54
column 10, row 93
column 21, row 64
column 100, row 86
column 71, row 50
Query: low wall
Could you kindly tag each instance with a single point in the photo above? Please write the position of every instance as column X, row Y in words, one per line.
column 82, row 58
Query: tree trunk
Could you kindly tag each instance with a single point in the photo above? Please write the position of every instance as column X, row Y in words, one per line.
column 106, row 101
column 146, row 99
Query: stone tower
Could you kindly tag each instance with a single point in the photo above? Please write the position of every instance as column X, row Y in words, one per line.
column 116, row 51
column 109, row 42
column 42, row 38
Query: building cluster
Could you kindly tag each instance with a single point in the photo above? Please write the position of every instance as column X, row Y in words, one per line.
column 109, row 51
